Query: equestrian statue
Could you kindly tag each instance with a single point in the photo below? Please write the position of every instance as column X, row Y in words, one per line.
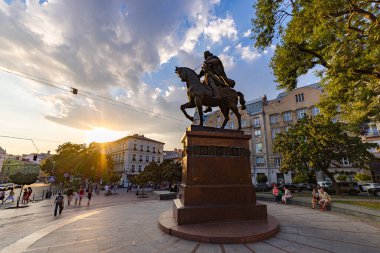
column 215, row 90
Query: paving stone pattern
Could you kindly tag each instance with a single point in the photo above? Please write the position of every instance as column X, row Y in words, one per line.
column 133, row 228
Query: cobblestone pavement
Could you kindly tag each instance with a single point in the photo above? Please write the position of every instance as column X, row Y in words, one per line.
column 132, row 227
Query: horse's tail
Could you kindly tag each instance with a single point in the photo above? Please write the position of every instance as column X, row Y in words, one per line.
column 242, row 100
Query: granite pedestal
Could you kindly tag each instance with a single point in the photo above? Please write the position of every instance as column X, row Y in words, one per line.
column 217, row 190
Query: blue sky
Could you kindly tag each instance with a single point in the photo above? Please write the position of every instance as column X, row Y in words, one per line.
column 125, row 50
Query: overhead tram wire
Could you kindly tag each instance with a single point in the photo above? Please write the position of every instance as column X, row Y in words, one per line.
column 19, row 138
column 93, row 95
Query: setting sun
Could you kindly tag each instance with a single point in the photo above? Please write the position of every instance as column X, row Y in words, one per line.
column 103, row 135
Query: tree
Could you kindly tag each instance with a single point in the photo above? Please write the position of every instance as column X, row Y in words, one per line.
column 262, row 178
column 341, row 178
column 23, row 179
column 316, row 144
column 158, row 173
column 340, row 38
column 362, row 177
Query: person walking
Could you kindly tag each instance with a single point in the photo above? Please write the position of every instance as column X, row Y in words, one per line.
column 2, row 196
column 11, row 196
column 89, row 196
column 24, row 196
column 59, row 203
column 81, row 194
column 29, row 196
column 69, row 194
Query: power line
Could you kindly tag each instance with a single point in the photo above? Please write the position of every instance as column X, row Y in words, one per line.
column 19, row 138
column 103, row 99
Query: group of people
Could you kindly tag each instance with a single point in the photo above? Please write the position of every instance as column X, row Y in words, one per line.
column 10, row 197
column 71, row 194
column 281, row 195
column 26, row 195
column 319, row 196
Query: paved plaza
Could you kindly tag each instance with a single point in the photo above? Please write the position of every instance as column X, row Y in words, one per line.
column 132, row 227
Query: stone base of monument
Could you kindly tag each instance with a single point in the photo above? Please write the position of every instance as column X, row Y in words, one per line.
column 217, row 201
column 243, row 231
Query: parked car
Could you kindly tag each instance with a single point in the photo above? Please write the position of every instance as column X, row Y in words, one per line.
column 352, row 188
column 3, row 187
column 366, row 186
column 262, row 187
column 327, row 186
column 292, row 187
column 375, row 191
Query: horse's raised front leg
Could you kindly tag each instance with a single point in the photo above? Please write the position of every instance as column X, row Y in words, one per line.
column 187, row 106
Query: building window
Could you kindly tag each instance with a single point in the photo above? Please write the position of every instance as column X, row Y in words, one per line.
column 147, row 159
column 147, row 149
column 140, row 158
column 153, row 159
column 345, row 162
column 140, row 167
column 277, row 161
column 260, row 161
column 273, row 118
column 256, row 122
column 158, row 159
column 154, row 149
column 287, row 116
column 301, row 113
column 141, row 147
column 135, row 146
column 315, row 111
column 299, row 97
column 258, row 133
column 275, row 131
column 259, row 147
column 134, row 157
column 133, row 168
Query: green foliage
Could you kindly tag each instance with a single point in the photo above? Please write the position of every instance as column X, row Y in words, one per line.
column 81, row 161
column 341, row 177
column 316, row 143
column 262, row 178
column 24, row 178
column 341, row 38
column 158, row 173
column 362, row 177
column 300, row 178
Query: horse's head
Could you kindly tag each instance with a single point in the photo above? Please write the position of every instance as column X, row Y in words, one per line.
column 181, row 73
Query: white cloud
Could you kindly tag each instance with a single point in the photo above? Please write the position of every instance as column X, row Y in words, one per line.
column 249, row 53
column 228, row 61
column 247, row 33
column 218, row 28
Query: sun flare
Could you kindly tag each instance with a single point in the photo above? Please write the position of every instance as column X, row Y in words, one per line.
column 102, row 135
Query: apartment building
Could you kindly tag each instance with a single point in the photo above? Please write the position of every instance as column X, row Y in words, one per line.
column 264, row 119
column 131, row 154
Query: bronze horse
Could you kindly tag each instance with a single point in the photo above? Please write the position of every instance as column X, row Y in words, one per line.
column 200, row 95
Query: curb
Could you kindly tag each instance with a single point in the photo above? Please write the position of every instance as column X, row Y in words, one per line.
column 333, row 208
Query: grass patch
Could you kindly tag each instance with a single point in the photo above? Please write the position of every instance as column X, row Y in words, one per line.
column 374, row 205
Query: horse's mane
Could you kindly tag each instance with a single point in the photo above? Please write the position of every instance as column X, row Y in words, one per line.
column 191, row 70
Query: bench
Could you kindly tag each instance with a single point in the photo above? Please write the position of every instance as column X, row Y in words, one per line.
column 165, row 195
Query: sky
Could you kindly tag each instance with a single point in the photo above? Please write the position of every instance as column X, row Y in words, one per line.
column 121, row 56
